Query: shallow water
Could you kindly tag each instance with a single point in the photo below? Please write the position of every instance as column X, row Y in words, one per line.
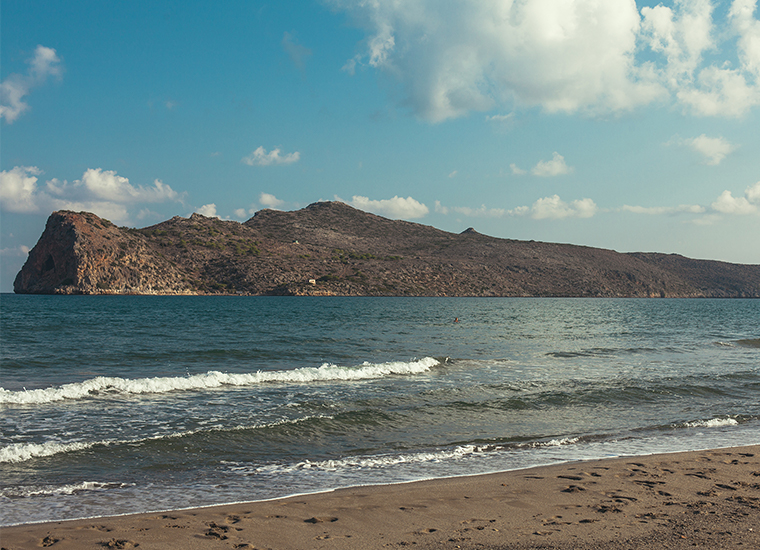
column 124, row 404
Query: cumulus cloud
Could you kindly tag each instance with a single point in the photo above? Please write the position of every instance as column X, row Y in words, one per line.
column 396, row 207
column 554, row 167
column 16, row 87
column 208, row 210
column 260, row 157
column 726, row 203
column 18, row 189
column 584, row 56
column 684, row 34
column 100, row 191
column 454, row 58
column 714, row 150
column 555, row 208
column 106, row 185
column 268, row 200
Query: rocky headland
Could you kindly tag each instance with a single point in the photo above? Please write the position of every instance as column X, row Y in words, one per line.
column 332, row 249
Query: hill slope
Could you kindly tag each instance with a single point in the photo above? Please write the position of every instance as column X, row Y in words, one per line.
column 330, row 248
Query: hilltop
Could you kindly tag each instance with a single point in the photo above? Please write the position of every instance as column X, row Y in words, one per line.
column 332, row 249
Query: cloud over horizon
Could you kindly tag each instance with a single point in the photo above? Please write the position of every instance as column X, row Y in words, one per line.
column 260, row 157
column 396, row 207
column 102, row 192
column 726, row 203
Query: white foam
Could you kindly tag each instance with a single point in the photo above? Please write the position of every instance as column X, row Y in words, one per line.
column 551, row 443
column 381, row 461
column 20, row 452
column 47, row 490
column 712, row 423
column 101, row 385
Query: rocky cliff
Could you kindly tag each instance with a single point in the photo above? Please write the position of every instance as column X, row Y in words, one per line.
column 329, row 248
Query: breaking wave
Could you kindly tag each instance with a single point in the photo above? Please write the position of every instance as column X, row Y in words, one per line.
column 711, row 423
column 21, row 452
column 106, row 385
column 50, row 490
column 381, row 461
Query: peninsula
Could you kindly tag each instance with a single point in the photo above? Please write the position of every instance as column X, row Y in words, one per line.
column 332, row 249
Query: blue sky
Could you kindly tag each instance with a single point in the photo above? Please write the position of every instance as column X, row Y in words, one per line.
column 622, row 125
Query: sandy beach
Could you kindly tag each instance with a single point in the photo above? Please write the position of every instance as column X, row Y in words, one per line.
column 701, row 499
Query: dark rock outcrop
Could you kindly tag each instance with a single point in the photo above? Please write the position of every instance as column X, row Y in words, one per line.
column 329, row 248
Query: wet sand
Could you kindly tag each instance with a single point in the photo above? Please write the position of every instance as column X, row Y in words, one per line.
column 701, row 499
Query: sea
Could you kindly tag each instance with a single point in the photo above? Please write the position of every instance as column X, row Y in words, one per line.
column 119, row 404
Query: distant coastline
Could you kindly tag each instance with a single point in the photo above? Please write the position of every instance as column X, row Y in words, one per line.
column 332, row 249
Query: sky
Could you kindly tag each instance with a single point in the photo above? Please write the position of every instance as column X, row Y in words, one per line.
column 633, row 126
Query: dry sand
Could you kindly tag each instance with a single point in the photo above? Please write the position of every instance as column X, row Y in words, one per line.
column 706, row 499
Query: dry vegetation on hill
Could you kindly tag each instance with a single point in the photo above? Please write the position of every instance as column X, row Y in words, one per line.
column 330, row 248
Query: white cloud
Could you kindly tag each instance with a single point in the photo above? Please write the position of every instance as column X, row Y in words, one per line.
column 714, row 150
column 516, row 170
column 555, row 208
column 753, row 193
column 454, row 58
column 102, row 192
column 554, row 167
column 208, row 210
column 15, row 251
column 18, row 188
column 681, row 35
column 685, row 34
column 726, row 203
column 260, row 157
column 240, row 213
column 270, row 201
column 748, row 29
column 659, row 210
column 298, row 53
column 453, row 174
column 586, row 56
column 15, row 87
column 545, row 208
column 500, row 118
column 106, row 185
column 396, row 207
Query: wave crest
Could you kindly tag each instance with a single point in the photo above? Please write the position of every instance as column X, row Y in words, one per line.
column 213, row 379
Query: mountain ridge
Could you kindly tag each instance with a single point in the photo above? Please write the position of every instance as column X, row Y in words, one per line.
column 333, row 249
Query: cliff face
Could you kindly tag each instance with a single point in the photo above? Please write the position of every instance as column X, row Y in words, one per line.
column 84, row 254
column 333, row 249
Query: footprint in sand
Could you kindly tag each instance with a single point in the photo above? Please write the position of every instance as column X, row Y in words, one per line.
column 217, row 531
column 48, row 541
column 120, row 544
column 232, row 520
column 573, row 489
column 321, row 519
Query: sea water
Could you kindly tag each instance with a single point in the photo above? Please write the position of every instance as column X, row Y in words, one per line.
column 113, row 405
